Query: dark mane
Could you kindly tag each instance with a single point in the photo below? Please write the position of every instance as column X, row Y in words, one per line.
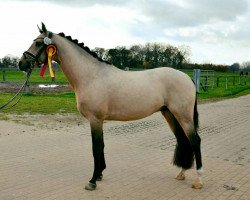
column 81, row 45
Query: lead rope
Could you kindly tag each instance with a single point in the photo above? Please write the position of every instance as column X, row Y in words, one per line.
column 21, row 91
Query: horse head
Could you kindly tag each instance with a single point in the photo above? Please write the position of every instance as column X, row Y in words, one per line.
column 36, row 54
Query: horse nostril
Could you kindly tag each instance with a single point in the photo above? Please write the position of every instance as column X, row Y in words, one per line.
column 24, row 65
column 21, row 66
column 19, row 63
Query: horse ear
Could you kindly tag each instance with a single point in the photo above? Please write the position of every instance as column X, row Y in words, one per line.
column 40, row 30
column 44, row 29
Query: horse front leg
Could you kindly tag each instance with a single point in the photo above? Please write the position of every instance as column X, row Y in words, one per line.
column 98, row 153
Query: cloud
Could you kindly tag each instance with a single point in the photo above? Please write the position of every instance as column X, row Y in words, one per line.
column 79, row 3
column 108, row 23
column 190, row 13
column 170, row 13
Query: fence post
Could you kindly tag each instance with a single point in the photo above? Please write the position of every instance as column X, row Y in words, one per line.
column 196, row 78
column 206, row 82
column 226, row 83
column 27, row 87
column 4, row 75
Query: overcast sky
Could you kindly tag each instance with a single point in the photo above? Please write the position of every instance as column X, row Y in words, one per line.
column 217, row 31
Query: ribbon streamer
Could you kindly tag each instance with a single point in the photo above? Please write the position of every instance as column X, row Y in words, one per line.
column 51, row 50
column 43, row 70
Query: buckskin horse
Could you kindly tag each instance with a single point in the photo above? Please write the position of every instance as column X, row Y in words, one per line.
column 104, row 92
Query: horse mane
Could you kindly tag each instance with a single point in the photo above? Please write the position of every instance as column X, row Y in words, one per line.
column 81, row 45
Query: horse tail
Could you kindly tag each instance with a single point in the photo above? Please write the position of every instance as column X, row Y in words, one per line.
column 196, row 115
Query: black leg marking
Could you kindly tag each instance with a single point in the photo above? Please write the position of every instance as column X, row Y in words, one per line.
column 195, row 141
column 102, row 162
column 184, row 155
column 98, row 153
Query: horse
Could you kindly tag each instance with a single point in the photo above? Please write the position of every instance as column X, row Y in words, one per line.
column 104, row 92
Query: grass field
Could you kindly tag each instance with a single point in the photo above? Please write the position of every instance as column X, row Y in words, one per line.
column 221, row 93
column 65, row 103
column 19, row 76
column 42, row 103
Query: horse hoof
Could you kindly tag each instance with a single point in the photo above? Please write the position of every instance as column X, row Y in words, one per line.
column 90, row 186
column 197, row 184
column 180, row 176
column 100, row 178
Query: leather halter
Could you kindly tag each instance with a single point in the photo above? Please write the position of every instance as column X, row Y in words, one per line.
column 46, row 42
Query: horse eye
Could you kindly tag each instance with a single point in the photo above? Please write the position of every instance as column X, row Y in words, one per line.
column 38, row 44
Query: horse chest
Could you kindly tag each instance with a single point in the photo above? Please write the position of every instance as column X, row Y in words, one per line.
column 89, row 107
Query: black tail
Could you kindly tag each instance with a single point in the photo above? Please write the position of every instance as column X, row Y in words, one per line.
column 196, row 115
column 195, row 139
column 184, row 151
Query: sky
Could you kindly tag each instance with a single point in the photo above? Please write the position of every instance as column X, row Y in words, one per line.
column 217, row 31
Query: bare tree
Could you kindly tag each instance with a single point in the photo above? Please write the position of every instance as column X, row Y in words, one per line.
column 9, row 61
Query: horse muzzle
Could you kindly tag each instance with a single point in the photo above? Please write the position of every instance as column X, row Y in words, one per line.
column 24, row 65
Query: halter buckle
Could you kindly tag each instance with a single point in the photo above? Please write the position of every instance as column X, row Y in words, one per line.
column 47, row 41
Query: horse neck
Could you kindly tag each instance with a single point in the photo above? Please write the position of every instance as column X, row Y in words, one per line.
column 77, row 65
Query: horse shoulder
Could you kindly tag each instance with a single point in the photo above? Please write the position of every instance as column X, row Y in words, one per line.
column 92, row 100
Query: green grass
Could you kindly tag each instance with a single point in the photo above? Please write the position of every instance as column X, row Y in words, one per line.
column 42, row 103
column 217, row 94
column 19, row 76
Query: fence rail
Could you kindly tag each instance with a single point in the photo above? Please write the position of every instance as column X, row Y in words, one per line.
column 204, row 79
column 4, row 70
column 14, row 75
column 232, row 80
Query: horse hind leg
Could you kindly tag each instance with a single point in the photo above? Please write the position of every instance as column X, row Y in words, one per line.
column 188, row 145
column 196, row 142
column 183, row 155
column 190, row 129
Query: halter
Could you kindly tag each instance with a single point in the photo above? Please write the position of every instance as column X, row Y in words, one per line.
column 50, row 50
column 46, row 41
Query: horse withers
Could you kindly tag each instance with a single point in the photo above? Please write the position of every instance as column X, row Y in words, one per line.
column 104, row 92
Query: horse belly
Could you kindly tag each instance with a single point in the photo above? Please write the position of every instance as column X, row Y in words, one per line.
column 134, row 107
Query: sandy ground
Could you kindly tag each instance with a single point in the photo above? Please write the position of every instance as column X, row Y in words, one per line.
column 34, row 88
column 53, row 153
